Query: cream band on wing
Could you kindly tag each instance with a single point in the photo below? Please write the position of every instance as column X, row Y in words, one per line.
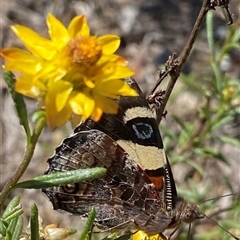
column 139, row 112
column 147, row 157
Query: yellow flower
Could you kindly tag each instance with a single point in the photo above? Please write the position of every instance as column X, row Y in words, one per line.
column 72, row 73
column 141, row 235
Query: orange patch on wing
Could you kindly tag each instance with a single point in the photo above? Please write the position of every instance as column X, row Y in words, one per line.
column 157, row 181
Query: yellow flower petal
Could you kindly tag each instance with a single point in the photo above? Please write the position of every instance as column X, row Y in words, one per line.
column 59, row 93
column 58, row 113
column 141, row 235
column 29, row 68
column 82, row 104
column 15, row 53
column 89, row 83
column 57, row 31
column 110, row 43
column 55, row 118
column 111, row 71
column 114, row 88
column 78, row 27
column 112, row 58
column 25, row 86
column 121, row 61
column 96, row 114
column 107, row 105
column 20, row 60
column 118, row 71
column 36, row 44
column 49, row 73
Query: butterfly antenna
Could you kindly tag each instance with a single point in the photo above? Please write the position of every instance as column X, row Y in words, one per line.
column 237, row 238
column 223, row 196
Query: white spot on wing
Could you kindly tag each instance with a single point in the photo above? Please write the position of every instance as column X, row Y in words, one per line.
column 144, row 133
column 147, row 157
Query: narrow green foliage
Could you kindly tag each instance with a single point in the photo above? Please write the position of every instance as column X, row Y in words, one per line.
column 62, row 178
column 11, row 223
column 15, row 212
column 88, row 226
column 114, row 236
column 18, row 228
column 34, row 224
column 230, row 140
column 38, row 115
column 18, row 101
column 197, row 135
column 12, row 204
column 210, row 34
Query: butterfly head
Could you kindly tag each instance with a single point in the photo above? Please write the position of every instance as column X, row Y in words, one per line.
column 190, row 212
column 184, row 212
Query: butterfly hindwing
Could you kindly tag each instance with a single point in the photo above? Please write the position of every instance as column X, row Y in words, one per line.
column 117, row 196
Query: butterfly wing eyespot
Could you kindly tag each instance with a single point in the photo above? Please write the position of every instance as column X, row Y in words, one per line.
column 70, row 188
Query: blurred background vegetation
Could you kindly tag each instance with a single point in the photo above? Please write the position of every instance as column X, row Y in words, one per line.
column 202, row 128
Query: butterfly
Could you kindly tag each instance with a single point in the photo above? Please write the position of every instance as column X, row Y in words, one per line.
column 138, row 191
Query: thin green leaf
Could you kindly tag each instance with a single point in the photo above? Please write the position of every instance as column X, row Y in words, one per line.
column 18, row 229
column 167, row 131
column 236, row 36
column 111, row 236
column 8, row 235
column 229, row 46
column 34, row 224
column 88, row 226
column 208, row 152
column 210, row 33
column 218, row 78
column 181, row 124
column 230, row 140
column 177, row 159
column 195, row 166
column 72, row 231
column 18, row 101
column 7, row 216
column 38, row 115
column 182, row 138
column 12, row 226
column 3, row 228
column 12, row 204
column 63, row 178
column 16, row 212
column 115, row 236
column 222, row 122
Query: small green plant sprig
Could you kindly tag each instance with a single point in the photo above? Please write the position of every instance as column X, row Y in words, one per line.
column 218, row 104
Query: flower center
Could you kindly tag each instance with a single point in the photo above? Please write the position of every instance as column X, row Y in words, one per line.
column 84, row 50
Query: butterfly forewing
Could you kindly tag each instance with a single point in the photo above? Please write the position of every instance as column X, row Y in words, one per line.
column 135, row 129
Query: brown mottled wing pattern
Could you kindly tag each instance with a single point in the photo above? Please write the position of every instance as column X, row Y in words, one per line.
column 123, row 192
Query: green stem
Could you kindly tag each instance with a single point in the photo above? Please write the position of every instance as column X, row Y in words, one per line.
column 26, row 160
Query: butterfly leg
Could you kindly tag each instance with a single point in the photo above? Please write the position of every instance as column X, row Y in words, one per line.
column 173, row 232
